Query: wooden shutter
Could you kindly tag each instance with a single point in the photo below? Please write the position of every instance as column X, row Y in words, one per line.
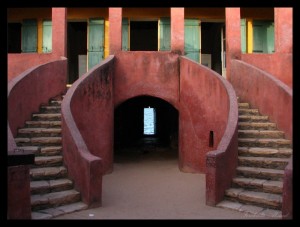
column 243, row 35
column 96, row 42
column 29, row 35
column 192, row 39
column 165, row 34
column 125, row 35
column 47, row 36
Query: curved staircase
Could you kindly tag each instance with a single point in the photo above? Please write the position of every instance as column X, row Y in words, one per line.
column 263, row 153
column 52, row 192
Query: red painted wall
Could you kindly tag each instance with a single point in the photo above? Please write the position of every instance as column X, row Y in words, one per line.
column 204, row 107
column 146, row 73
column 233, row 37
column 205, row 102
column 87, row 113
column 25, row 94
column 18, row 192
column 287, row 192
column 279, row 65
column 32, row 88
column 115, row 30
column 18, row 63
column 177, row 30
column 263, row 91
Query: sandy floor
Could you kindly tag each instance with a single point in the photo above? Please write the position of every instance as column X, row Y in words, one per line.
column 149, row 185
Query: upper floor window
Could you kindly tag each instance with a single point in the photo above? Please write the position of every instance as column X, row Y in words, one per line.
column 257, row 36
column 24, row 37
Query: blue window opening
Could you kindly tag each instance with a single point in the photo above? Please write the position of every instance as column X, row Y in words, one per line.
column 149, row 121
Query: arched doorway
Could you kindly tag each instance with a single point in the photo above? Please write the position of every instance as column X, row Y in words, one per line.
column 145, row 125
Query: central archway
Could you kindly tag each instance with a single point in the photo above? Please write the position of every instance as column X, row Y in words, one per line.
column 130, row 134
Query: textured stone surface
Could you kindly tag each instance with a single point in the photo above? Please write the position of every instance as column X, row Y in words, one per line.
column 45, row 124
column 53, row 150
column 48, row 160
column 256, row 125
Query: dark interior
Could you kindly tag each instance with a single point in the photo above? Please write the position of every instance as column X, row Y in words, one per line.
column 14, row 37
column 77, row 41
column 129, row 122
column 143, row 36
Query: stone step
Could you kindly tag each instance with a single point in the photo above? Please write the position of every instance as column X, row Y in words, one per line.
column 39, row 132
column 254, row 184
column 57, row 211
column 55, row 102
column 263, row 162
column 47, row 186
column 54, row 199
column 251, row 118
column 42, row 151
column 46, row 116
column 48, row 173
column 43, row 124
column 248, row 111
column 38, row 141
column 265, row 152
column 50, row 150
column 257, row 125
column 243, row 105
column 250, row 133
column 250, row 210
column 260, row 173
column 47, row 161
column 266, row 200
column 34, row 149
column 50, row 109
column 257, row 142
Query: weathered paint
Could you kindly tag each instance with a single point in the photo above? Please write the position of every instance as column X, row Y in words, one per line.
column 115, row 32
column 283, row 30
column 31, row 88
column 25, row 94
column 263, row 91
column 279, row 65
column 18, row 63
column 287, row 191
column 18, row 192
column 177, row 30
column 203, row 108
column 88, row 109
column 146, row 73
column 59, row 27
column 233, row 37
column 87, row 123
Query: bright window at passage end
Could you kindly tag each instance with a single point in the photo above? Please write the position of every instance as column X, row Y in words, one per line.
column 149, row 121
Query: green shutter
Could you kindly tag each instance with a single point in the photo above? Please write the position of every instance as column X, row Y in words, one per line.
column 259, row 37
column 125, row 36
column 29, row 35
column 96, row 42
column 192, row 39
column 165, row 34
column 263, row 36
column 243, row 35
column 47, row 36
column 270, row 37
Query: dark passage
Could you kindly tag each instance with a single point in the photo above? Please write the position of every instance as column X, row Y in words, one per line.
column 143, row 36
column 129, row 125
column 77, row 39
